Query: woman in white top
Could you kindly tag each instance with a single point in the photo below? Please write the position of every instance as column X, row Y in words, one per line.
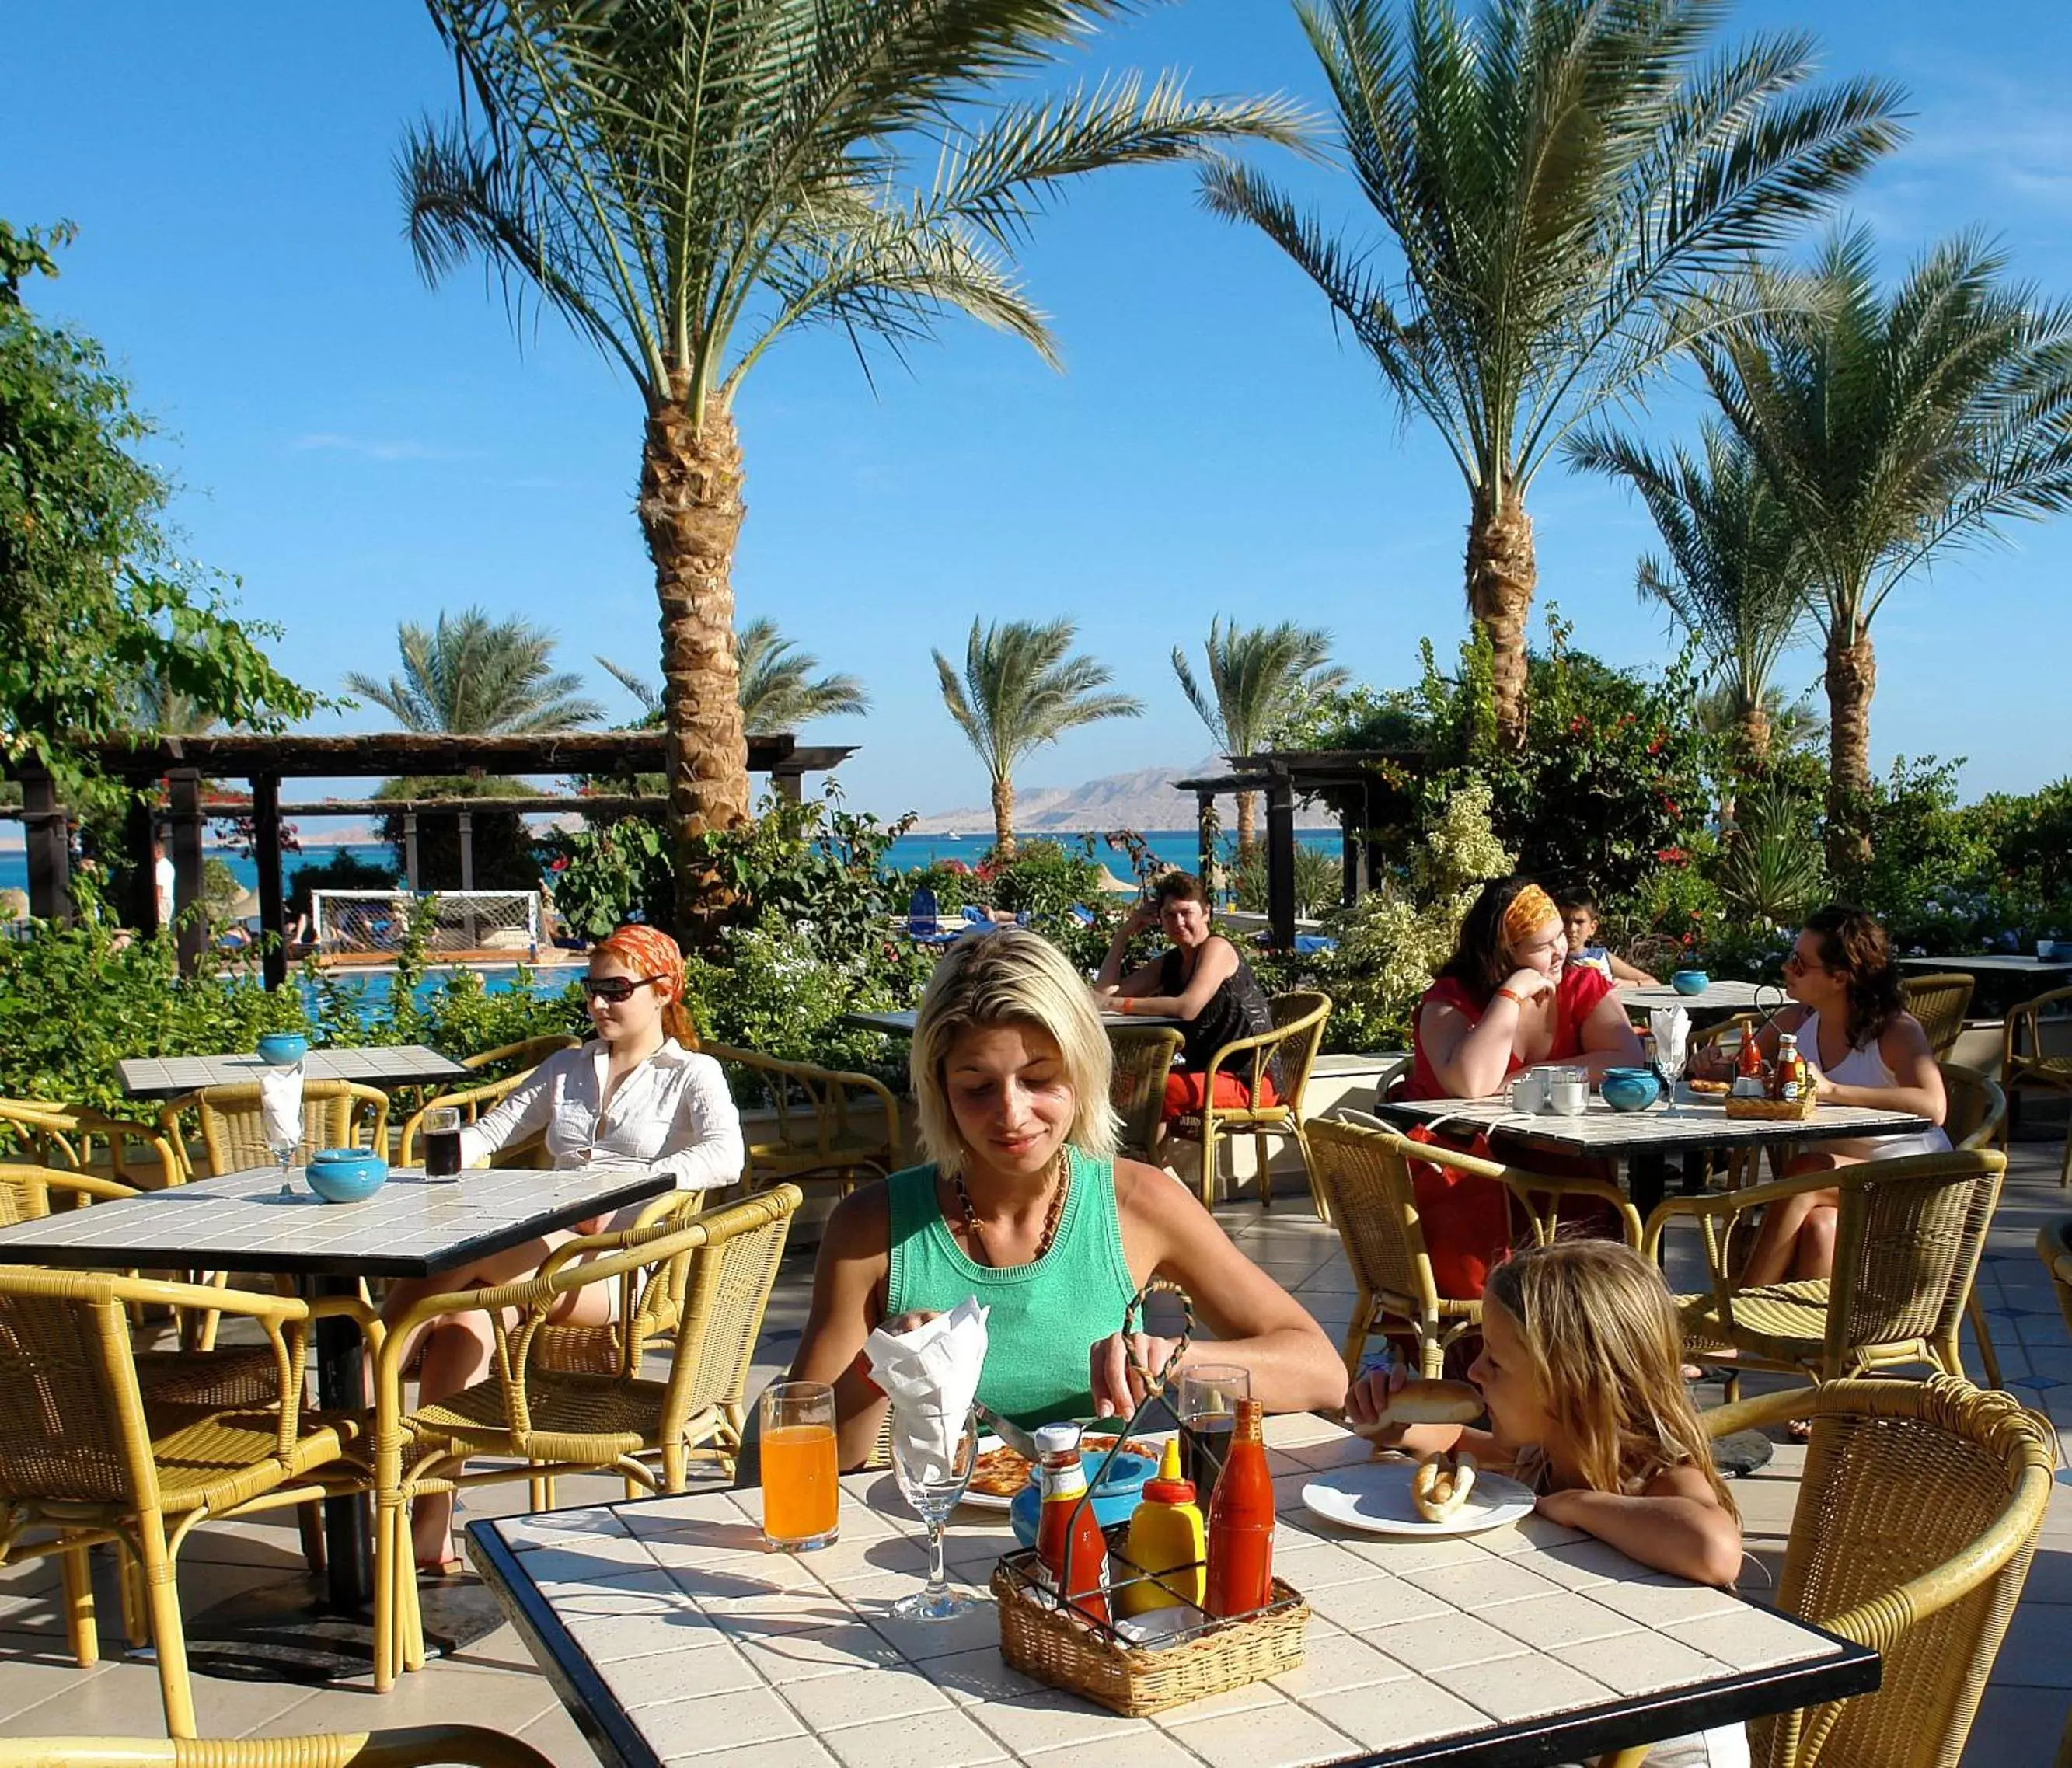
column 1861, row 1048
column 640, row 1094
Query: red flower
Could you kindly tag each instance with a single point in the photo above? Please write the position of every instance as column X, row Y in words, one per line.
column 1656, row 747
column 1671, row 855
column 1578, row 725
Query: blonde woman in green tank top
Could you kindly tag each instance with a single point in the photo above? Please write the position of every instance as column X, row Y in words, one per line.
column 1023, row 1204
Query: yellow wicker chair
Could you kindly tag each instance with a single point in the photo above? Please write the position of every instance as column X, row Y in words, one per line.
column 1975, row 1113
column 27, row 1193
column 1940, row 1002
column 416, row 1746
column 1297, row 1034
column 471, row 1102
column 233, row 1128
column 830, row 1126
column 1918, row 1515
column 1364, row 1175
column 1906, row 1251
column 2024, row 1064
column 87, row 1450
column 721, row 1267
column 78, row 1138
column 1143, row 1058
column 522, row 1058
column 2054, row 1246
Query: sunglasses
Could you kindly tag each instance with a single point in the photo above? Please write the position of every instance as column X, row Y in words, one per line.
column 615, row 989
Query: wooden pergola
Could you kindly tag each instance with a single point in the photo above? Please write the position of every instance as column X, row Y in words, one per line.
column 264, row 762
column 1345, row 777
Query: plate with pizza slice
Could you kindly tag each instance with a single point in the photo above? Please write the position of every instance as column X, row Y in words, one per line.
column 1001, row 1472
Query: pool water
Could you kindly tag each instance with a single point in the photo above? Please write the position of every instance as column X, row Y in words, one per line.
column 377, row 987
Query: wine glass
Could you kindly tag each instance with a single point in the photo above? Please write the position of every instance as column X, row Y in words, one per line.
column 284, row 1149
column 933, row 1453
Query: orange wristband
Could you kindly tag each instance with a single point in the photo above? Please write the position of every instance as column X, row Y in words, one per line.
column 1125, row 1005
column 1512, row 996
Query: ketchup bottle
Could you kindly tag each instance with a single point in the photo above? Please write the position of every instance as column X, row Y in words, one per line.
column 1749, row 1063
column 1241, row 1522
column 1069, row 1542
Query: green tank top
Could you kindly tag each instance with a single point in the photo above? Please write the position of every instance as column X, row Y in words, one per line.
column 1045, row 1315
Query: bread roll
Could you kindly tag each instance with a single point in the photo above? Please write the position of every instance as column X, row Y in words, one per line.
column 1433, row 1403
column 1441, row 1485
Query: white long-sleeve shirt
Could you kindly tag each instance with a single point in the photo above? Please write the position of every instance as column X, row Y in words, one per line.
column 673, row 1113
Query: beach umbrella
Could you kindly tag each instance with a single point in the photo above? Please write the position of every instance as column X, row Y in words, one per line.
column 1112, row 886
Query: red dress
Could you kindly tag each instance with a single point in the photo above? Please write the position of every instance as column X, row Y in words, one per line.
column 1466, row 1218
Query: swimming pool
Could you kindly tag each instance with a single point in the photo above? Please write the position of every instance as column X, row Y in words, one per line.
column 377, row 988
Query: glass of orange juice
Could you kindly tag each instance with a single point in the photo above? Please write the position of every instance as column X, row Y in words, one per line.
column 798, row 1491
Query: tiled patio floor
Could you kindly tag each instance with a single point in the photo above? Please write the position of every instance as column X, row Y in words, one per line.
column 495, row 1682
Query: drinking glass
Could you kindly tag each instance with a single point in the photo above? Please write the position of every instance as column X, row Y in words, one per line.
column 800, row 1498
column 1209, row 1394
column 441, row 1134
column 933, row 1453
column 285, row 1152
column 1671, row 1063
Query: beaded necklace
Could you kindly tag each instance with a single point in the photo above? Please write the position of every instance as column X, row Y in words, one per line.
column 1050, row 1218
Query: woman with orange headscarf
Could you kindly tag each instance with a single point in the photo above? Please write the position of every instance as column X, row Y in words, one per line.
column 1506, row 999
column 640, row 1094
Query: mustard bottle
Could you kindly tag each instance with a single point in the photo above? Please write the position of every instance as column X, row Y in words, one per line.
column 1167, row 1539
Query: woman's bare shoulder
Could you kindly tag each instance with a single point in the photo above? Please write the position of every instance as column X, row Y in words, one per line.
column 860, row 1226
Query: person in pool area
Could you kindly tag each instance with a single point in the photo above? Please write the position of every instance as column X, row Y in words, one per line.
column 1203, row 982
column 1579, row 924
column 1861, row 1048
column 1023, row 1205
column 1579, row 1372
column 641, row 1094
column 1508, row 999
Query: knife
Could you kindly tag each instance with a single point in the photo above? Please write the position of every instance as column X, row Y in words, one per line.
column 1012, row 1434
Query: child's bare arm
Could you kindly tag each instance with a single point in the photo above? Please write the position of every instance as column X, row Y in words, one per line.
column 1677, row 1525
column 1624, row 972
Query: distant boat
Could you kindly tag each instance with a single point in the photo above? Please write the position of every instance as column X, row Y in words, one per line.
column 956, row 837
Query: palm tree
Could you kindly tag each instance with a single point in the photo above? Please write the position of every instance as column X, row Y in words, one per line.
column 1259, row 678
column 1891, row 430
column 469, row 675
column 1019, row 691
column 1559, row 176
column 1736, row 577
column 777, row 689
column 689, row 181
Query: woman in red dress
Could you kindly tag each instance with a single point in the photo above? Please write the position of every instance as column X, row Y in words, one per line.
column 1508, row 999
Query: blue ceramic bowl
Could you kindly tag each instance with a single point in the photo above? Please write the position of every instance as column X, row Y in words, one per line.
column 1690, row 982
column 1629, row 1089
column 346, row 1175
column 283, row 1049
column 1114, row 1499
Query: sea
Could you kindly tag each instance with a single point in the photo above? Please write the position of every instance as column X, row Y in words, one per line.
column 1174, row 846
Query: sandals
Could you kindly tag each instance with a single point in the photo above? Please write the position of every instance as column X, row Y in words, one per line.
column 434, row 1571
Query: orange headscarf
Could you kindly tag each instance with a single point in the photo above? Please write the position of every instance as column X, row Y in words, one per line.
column 648, row 951
column 1528, row 911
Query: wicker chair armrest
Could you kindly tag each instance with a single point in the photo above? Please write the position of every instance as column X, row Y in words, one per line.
column 1728, row 1205
column 1238, row 1046
column 87, row 1187
column 414, row 1746
column 1439, row 1155
column 1525, row 1184
column 655, row 1222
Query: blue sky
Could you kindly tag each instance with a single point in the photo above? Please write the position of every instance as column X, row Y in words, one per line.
column 360, row 449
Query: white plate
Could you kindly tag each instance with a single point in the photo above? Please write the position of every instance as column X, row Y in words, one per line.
column 988, row 1501
column 1375, row 1496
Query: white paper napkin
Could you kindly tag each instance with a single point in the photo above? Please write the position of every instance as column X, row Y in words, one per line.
column 1672, row 1026
column 281, row 1104
column 931, row 1375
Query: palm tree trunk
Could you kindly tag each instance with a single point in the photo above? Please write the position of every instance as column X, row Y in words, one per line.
column 1003, row 818
column 1247, row 826
column 691, row 512
column 1852, row 681
column 1755, row 735
column 1501, row 576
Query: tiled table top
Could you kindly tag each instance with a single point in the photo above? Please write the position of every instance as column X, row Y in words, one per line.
column 1697, row 1122
column 408, row 1228
column 387, row 1065
column 1726, row 996
column 672, row 1637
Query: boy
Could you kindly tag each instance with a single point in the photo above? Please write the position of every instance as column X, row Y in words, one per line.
column 1579, row 921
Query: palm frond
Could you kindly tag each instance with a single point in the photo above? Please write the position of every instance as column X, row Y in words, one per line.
column 1020, row 689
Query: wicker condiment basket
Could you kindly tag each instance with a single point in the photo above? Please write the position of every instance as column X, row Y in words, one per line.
column 1065, row 1649
column 1779, row 1111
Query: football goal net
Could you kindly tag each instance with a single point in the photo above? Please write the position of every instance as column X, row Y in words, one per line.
column 359, row 927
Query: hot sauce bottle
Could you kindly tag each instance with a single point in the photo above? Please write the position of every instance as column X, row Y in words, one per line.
column 1241, row 1522
column 1070, row 1545
column 1748, row 1064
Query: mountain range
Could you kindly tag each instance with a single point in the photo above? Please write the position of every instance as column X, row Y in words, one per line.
column 1144, row 799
